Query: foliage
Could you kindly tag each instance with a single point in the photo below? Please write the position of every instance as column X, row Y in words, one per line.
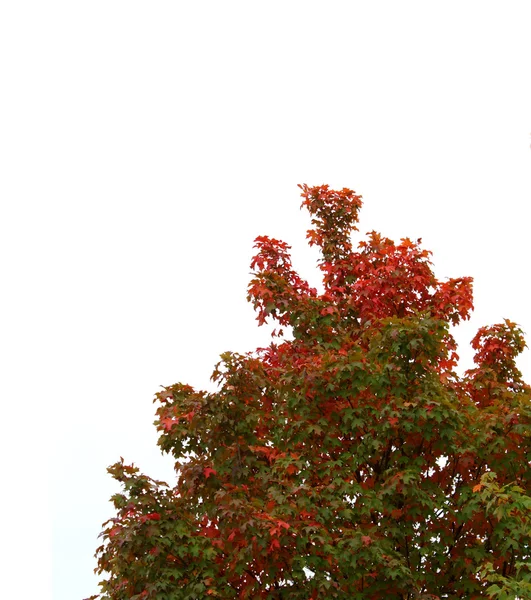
column 347, row 459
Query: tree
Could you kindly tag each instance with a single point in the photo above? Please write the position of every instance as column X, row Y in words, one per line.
column 347, row 459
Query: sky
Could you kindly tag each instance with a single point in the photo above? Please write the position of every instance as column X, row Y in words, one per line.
column 143, row 147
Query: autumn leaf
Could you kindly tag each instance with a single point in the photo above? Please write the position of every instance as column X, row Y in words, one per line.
column 168, row 423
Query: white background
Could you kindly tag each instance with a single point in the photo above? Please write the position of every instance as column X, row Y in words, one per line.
column 144, row 145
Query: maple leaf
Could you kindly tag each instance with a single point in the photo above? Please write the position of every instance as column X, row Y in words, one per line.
column 115, row 531
column 150, row 517
column 275, row 544
column 168, row 423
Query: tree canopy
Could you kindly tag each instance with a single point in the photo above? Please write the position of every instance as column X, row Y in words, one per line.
column 347, row 459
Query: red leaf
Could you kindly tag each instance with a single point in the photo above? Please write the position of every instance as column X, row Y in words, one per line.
column 210, row 532
column 150, row 517
column 275, row 544
column 168, row 423
column 115, row 531
column 207, row 472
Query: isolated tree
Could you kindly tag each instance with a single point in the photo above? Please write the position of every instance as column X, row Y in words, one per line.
column 347, row 459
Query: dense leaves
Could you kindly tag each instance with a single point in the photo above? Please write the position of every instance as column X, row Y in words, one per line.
column 347, row 459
